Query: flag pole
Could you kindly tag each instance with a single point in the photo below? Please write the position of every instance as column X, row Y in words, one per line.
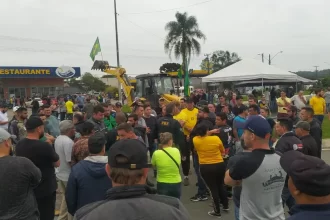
column 117, row 49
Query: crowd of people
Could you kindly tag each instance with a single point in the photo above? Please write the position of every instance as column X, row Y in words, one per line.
column 99, row 157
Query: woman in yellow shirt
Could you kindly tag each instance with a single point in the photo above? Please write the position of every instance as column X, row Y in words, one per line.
column 212, row 167
column 167, row 160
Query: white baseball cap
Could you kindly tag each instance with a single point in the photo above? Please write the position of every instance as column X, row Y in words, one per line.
column 4, row 135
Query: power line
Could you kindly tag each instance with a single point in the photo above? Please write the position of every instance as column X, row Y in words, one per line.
column 170, row 9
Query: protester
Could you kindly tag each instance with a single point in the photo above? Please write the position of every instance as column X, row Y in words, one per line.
column 309, row 183
column 327, row 101
column 62, row 108
column 212, row 166
column 139, row 111
column 78, row 121
column 191, row 113
column 203, row 119
column 238, row 127
column 283, row 102
column 69, row 109
column 317, row 103
column 260, row 174
column 22, row 175
column 80, row 100
column 293, row 114
column 4, row 116
column 307, row 114
column 97, row 118
column 35, row 106
column 44, row 157
column 167, row 161
column 88, row 181
column 63, row 147
column 254, row 109
column 88, row 109
column 128, row 169
column 222, row 102
column 299, row 101
column 109, row 121
column 225, row 132
column 263, row 103
column 310, row 146
column 151, row 122
column 212, row 114
column 233, row 100
column 17, row 126
column 80, row 148
column 230, row 116
column 112, row 136
column 53, row 124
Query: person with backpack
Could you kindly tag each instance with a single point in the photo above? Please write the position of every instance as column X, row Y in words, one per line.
column 167, row 160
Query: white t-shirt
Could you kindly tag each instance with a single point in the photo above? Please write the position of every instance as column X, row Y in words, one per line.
column 297, row 102
column 4, row 118
column 63, row 147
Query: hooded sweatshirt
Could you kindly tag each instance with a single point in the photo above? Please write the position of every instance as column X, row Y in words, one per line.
column 88, row 182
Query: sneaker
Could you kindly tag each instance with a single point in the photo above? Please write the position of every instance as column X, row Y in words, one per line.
column 186, row 181
column 198, row 198
column 225, row 208
column 213, row 213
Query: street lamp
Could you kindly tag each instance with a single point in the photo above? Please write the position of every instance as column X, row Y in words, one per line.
column 270, row 59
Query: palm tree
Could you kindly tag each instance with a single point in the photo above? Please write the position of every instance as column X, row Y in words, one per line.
column 182, row 37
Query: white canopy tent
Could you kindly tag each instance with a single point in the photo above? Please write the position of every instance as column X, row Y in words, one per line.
column 254, row 71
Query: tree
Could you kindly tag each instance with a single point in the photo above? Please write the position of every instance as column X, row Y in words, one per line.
column 169, row 67
column 220, row 59
column 182, row 37
column 88, row 83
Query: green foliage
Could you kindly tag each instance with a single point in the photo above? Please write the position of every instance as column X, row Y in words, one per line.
column 220, row 59
column 313, row 75
column 88, row 83
column 112, row 90
column 169, row 67
column 182, row 37
column 326, row 82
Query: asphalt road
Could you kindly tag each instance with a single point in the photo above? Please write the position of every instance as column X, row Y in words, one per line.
column 198, row 210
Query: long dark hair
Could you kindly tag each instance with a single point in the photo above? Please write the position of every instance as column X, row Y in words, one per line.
column 201, row 130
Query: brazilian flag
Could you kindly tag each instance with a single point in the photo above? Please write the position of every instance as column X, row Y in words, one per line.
column 186, row 80
column 96, row 49
column 180, row 72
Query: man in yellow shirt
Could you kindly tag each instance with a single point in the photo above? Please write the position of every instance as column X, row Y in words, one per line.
column 191, row 112
column 69, row 109
column 283, row 102
column 317, row 103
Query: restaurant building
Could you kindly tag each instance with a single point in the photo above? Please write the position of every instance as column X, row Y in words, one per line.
column 27, row 82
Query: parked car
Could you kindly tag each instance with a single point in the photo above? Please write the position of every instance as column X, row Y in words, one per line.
column 28, row 103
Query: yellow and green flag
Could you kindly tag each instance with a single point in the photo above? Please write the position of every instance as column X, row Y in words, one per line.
column 96, row 49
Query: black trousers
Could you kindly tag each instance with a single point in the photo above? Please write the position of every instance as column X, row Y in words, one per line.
column 46, row 206
column 62, row 116
column 213, row 175
column 186, row 153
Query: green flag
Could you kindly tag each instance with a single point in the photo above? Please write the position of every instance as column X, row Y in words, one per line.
column 186, row 80
column 180, row 72
column 96, row 49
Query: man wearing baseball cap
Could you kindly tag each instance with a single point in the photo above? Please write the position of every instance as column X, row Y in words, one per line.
column 128, row 199
column 19, row 176
column 260, row 174
column 309, row 184
column 3, row 116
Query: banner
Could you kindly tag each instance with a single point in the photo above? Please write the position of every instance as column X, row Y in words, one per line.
column 64, row 72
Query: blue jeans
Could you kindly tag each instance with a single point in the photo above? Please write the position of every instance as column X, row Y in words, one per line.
column 236, row 212
column 319, row 117
column 200, row 182
column 169, row 189
column 287, row 198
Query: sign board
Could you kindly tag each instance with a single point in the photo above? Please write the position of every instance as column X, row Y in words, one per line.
column 64, row 72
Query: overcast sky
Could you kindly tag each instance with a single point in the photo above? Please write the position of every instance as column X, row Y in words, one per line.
column 62, row 32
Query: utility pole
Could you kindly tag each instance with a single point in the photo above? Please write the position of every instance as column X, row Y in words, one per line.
column 117, row 48
column 208, row 62
column 262, row 57
column 316, row 71
column 269, row 60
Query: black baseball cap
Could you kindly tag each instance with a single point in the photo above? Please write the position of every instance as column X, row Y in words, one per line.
column 134, row 150
column 33, row 123
column 303, row 125
column 309, row 174
column 204, row 109
column 258, row 125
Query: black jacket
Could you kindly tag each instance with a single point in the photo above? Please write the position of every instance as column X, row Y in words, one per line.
column 310, row 145
column 288, row 142
column 133, row 202
column 168, row 124
column 152, row 125
column 201, row 121
column 316, row 133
